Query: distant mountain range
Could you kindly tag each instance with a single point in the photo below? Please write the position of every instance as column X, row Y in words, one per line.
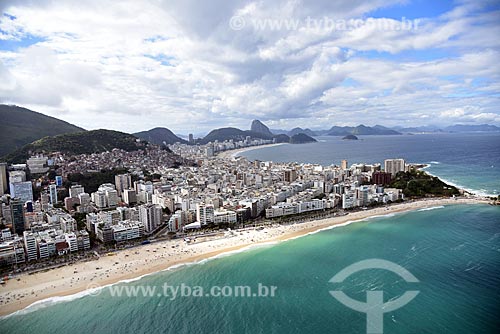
column 86, row 142
column 472, row 128
column 23, row 131
column 460, row 128
column 258, row 130
column 360, row 130
column 231, row 134
column 382, row 130
column 20, row 126
column 295, row 131
column 342, row 131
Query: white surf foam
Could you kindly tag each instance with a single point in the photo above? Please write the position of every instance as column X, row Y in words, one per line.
column 480, row 192
column 432, row 208
column 58, row 299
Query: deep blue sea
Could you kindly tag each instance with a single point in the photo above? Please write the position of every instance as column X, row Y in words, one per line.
column 471, row 160
column 453, row 252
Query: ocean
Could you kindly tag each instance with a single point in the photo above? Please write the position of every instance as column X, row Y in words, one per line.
column 453, row 251
column 470, row 160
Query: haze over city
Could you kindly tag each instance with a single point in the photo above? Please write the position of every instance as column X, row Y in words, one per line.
column 136, row 65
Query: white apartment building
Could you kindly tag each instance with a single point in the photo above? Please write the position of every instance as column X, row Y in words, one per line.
column 30, row 246
column 72, row 241
column 151, row 216
column 127, row 230
column 76, row 190
column 225, row 217
column 204, row 213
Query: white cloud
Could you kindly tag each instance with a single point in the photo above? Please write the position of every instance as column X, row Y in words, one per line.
column 132, row 65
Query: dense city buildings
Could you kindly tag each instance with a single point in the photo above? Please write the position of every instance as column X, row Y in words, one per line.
column 208, row 192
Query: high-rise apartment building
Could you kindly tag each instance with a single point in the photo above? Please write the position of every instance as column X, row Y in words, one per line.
column 122, row 182
column 151, row 216
column 205, row 214
column 344, row 165
column 17, row 212
column 3, row 178
column 76, row 190
column 394, row 166
column 53, row 194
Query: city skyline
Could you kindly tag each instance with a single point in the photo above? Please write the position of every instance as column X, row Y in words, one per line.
column 135, row 66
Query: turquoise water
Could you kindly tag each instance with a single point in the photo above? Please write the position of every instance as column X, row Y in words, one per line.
column 470, row 160
column 454, row 252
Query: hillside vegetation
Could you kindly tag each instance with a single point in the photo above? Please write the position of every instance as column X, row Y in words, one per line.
column 420, row 184
column 21, row 126
column 79, row 143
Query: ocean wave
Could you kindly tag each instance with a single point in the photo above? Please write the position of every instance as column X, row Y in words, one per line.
column 40, row 304
column 388, row 215
column 59, row 299
column 432, row 208
column 331, row 227
column 435, row 162
column 479, row 192
column 349, row 222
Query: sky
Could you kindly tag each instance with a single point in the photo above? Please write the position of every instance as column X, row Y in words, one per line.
column 192, row 66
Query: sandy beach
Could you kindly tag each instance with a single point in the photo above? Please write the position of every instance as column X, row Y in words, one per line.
column 24, row 290
column 233, row 153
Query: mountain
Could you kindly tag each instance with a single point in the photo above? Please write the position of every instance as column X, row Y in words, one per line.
column 308, row 132
column 301, row 138
column 279, row 131
column 259, row 127
column 453, row 128
column 361, row 130
column 282, row 138
column 295, row 131
column 350, row 137
column 339, row 131
column 20, row 126
column 417, row 129
column 472, row 128
column 232, row 133
column 87, row 142
column 385, row 130
column 159, row 136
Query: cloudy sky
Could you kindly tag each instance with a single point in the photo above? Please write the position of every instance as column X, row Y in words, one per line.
column 194, row 65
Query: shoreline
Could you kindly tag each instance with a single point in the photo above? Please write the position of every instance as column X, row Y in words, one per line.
column 232, row 153
column 474, row 192
column 26, row 291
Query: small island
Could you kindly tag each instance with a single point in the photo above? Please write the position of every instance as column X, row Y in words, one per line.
column 350, row 137
column 301, row 138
